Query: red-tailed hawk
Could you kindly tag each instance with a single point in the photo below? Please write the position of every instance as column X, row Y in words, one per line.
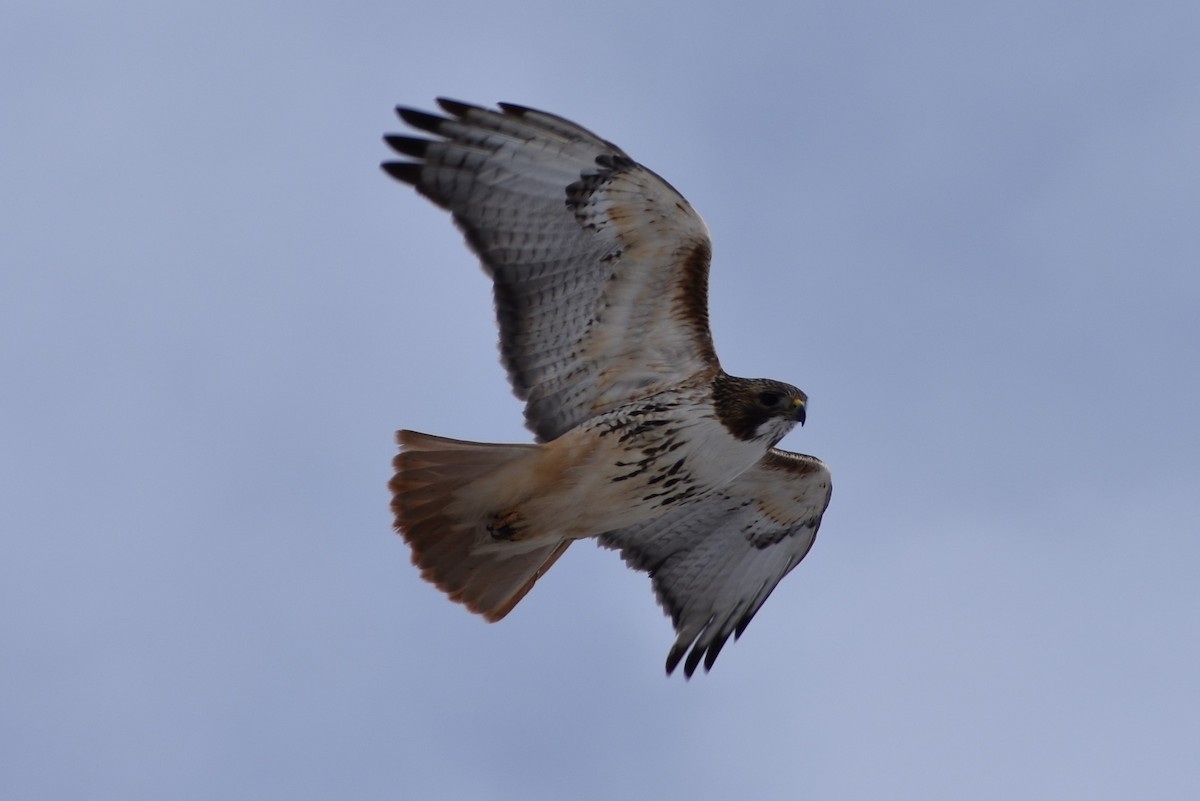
column 600, row 271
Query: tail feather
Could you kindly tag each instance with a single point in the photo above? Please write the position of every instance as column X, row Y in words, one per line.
column 437, row 512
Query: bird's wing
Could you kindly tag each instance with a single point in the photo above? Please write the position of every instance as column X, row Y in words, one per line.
column 714, row 562
column 600, row 267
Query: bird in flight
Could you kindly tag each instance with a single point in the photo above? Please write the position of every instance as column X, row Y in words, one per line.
column 643, row 441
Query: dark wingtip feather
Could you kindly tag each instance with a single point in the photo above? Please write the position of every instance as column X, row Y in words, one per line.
column 457, row 107
column 514, row 109
column 407, row 145
column 421, row 120
column 692, row 662
column 404, row 171
column 713, row 650
column 674, row 656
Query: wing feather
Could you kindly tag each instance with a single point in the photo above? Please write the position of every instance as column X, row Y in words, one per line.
column 714, row 562
column 600, row 267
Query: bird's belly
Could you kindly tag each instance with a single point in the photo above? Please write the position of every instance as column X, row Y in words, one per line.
column 621, row 476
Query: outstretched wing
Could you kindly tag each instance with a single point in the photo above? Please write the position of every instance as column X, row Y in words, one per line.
column 714, row 562
column 600, row 266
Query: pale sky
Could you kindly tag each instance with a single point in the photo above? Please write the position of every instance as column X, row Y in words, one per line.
column 969, row 231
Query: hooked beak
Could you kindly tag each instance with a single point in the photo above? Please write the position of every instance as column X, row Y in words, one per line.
column 798, row 411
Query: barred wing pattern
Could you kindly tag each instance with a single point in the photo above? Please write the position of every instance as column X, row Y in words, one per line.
column 715, row 561
column 600, row 274
column 600, row 266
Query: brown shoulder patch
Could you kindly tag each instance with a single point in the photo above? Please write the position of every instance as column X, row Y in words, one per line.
column 692, row 297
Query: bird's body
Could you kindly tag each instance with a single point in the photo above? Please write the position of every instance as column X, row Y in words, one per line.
column 619, row 468
column 600, row 275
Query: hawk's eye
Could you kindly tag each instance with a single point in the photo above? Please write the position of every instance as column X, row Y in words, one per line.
column 768, row 398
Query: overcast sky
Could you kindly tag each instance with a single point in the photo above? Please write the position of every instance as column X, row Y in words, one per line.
column 969, row 231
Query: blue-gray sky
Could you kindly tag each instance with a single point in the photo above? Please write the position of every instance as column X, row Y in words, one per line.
column 970, row 231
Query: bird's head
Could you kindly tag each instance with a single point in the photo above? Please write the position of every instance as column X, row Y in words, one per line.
column 758, row 408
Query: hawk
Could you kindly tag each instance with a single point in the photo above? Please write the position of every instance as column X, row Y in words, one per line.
column 600, row 274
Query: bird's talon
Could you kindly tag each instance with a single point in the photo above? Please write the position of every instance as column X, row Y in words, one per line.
column 503, row 525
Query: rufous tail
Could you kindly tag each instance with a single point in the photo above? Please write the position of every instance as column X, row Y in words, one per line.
column 440, row 500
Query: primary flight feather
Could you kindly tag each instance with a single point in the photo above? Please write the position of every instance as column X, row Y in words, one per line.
column 600, row 275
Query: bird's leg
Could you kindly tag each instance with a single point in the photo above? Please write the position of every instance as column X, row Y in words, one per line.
column 505, row 525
